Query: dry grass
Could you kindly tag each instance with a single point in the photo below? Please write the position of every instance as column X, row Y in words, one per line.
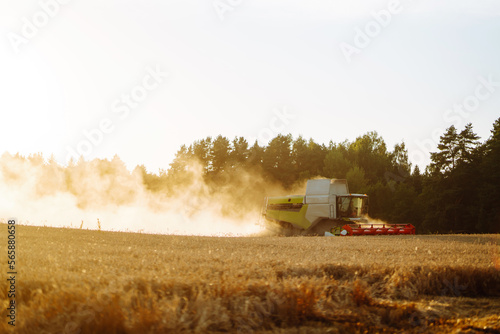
column 79, row 281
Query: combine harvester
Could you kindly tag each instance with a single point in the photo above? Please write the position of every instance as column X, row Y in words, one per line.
column 327, row 209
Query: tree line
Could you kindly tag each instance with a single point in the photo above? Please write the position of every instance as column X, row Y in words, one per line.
column 458, row 192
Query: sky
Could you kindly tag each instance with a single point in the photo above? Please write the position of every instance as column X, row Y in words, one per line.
column 141, row 78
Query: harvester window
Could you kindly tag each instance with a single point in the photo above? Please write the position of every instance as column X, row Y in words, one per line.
column 351, row 207
column 343, row 206
column 356, row 206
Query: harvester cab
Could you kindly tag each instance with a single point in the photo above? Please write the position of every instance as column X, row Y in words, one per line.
column 352, row 206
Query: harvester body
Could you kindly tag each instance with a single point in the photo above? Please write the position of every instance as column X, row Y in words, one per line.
column 327, row 208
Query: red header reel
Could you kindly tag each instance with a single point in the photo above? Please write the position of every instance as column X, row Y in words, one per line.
column 376, row 229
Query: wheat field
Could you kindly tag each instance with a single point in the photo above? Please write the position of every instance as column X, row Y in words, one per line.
column 89, row 281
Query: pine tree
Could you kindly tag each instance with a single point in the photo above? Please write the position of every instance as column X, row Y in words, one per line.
column 219, row 153
column 277, row 159
column 449, row 151
column 467, row 143
column 239, row 153
column 202, row 151
column 400, row 160
column 489, row 210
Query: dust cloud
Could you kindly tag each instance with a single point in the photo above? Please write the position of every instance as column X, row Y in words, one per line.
column 40, row 192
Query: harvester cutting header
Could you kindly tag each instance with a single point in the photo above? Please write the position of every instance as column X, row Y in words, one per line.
column 329, row 209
